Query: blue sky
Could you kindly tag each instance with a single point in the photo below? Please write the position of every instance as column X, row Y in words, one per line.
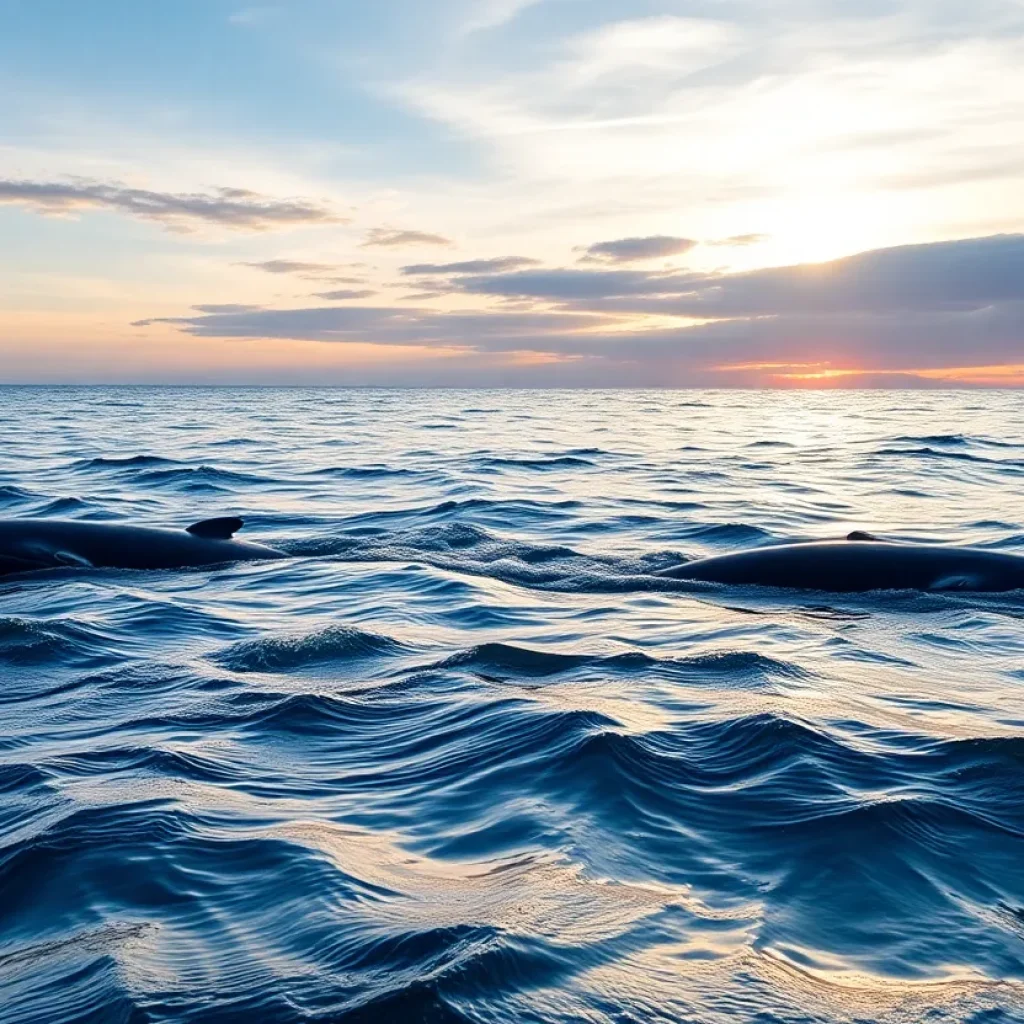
column 513, row 192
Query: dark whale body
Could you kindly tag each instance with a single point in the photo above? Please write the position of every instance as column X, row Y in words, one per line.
column 30, row 544
column 857, row 565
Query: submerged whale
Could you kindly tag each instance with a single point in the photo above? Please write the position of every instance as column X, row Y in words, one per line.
column 29, row 544
column 859, row 563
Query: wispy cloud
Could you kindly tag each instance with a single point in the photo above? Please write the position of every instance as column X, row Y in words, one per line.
column 290, row 267
column 252, row 15
column 642, row 47
column 499, row 265
column 683, row 114
column 344, row 294
column 305, row 270
column 568, row 284
column 387, row 325
column 634, row 250
column 739, row 241
column 218, row 308
column 235, row 208
column 491, row 14
column 395, row 238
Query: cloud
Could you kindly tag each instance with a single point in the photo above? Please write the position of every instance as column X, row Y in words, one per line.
column 634, row 49
column 498, row 265
column 823, row 375
column 956, row 172
column 737, row 241
column 633, row 250
column 725, row 353
column 327, row 272
column 235, row 208
column 385, row 325
column 394, row 238
column 838, row 349
column 226, row 307
column 491, row 14
column 569, row 284
column 291, row 267
column 640, row 114
column 969, row 274
column 949, row 311
column 253, row 15
column 343, row 294
column 965, row 274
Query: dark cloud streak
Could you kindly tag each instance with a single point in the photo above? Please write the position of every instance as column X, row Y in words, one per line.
column 739, row 241
column 344, row 294
column 307, row 271
column 291, row 267
column 569, row 284
column 634, row 250
column 499, row 265
column 218, row 308
column 393, row 238
column 234, row 208
column 384, row 325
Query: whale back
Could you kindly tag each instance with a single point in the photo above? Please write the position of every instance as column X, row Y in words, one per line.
column 859, row 566
column 27, row 544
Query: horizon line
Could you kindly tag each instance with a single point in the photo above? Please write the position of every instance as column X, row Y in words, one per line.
column 497, row 387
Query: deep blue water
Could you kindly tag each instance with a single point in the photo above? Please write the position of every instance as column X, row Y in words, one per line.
column 465, row 759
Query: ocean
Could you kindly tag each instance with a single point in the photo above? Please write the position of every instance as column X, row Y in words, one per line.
column 464, row 758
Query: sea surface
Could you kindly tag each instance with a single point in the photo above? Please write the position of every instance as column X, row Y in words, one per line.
column 464, row 758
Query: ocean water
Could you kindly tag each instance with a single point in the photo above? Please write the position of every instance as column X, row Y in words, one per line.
column 465, row 759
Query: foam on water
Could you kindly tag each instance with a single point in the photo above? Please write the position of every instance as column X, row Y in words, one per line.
column 463, row 758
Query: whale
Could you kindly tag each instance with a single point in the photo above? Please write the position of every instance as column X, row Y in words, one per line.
column 859, row 564
column 27, row 545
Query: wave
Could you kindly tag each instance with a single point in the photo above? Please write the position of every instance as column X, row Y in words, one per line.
column 124, row 462
column 31, row 641
column 332, row 645
column 940, row 453
column 67, row 506
column 362, row 472
column 956, row 440
column 158, row 471
column 542, row 463
column 497, row 659
column 21, row 779
column 11, row 495
column 727, row 533
column 201, row 479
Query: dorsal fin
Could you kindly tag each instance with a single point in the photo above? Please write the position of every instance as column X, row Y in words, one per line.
column 861, row 535
column 216, row 529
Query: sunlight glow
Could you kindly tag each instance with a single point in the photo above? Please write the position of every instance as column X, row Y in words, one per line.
column 1000, row 375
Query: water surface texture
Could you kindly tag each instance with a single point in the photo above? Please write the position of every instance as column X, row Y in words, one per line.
column 464, row 759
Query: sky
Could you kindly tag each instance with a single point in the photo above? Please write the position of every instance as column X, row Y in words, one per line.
column 709, row 193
